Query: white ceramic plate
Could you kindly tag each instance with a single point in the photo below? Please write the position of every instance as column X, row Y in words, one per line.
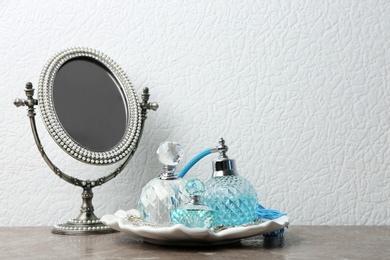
column 179, row 235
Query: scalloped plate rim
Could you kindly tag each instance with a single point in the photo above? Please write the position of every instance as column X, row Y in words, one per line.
column 180, row 234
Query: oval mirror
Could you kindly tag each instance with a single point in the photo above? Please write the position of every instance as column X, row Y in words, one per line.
column 89, row 106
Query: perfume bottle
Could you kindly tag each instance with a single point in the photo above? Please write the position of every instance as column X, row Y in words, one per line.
column 166, row 192
column 194, row 214
column 231, row 196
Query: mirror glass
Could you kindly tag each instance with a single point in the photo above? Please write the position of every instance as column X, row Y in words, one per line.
column 89, row 106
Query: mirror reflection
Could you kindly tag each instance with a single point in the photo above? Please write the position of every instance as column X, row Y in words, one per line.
column 89, row 104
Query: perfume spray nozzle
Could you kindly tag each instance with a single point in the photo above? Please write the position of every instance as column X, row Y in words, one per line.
column 222, row 148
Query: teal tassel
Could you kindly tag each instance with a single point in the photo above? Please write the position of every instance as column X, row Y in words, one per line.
column 263, row 213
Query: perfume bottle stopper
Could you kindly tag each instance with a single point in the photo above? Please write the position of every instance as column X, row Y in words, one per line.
column 169, row 154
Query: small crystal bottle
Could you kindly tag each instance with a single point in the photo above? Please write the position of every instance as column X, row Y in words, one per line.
column 231, row 196
column 166, row 192
column 194, row 214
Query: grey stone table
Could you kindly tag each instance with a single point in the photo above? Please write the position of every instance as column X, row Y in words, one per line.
column 299, row 242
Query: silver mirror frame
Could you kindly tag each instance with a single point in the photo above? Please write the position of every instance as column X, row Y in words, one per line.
column 56, row 130
column 87, row 223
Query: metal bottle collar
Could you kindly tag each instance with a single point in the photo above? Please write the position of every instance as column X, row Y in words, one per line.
column 168, row 173
column 223, row 166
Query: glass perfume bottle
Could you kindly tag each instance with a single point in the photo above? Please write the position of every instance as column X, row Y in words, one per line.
column 194, row 214
column 166, row 192
column 231, row 196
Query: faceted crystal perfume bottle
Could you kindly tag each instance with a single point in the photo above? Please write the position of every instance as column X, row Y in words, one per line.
column 194, row 214
column 231, row 196
column 166, row 192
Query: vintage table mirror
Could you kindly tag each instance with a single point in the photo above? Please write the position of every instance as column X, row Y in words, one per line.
column 92, row 112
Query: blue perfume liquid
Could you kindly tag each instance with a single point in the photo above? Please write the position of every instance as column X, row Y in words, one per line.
column 194, row 214
column 233, row 199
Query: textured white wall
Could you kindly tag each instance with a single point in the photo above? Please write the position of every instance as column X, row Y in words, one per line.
column 299, row 90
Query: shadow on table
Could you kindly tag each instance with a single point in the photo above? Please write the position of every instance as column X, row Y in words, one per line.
column 253, row 243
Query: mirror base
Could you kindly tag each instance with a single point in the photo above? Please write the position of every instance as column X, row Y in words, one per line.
column 86, row 223
column 76, row 227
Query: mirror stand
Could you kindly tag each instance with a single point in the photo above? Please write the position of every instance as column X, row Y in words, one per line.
column 87, row 222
